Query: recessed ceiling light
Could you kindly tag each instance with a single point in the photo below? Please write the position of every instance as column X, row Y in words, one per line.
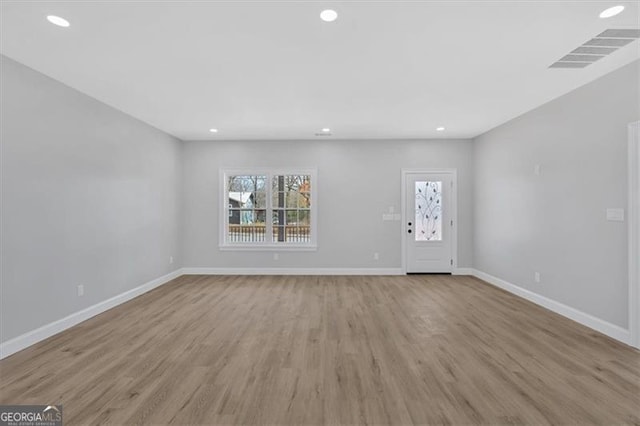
column 328, row 15
column 213, row 130
column 326, row 129
column 612, row 11
column 56, row 20
column 440, row 129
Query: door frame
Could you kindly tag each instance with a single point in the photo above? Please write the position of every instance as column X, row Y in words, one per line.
column 633, row 186
column 454, row 212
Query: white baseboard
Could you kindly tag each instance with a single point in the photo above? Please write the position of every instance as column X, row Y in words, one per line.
column 25, row 340
column 462, row 271
column 307, row 271
column 292, row 271
column 614, row 331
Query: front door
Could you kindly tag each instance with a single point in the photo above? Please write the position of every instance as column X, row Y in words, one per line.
column 428, row 222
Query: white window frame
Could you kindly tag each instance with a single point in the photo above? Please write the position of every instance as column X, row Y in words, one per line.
column 267, row 245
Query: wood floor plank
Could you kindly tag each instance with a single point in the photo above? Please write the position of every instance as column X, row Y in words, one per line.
column 293, row 350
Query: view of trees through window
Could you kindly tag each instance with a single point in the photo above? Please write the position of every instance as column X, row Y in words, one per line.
column 252, row 200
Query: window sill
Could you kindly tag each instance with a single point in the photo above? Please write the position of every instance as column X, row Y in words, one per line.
column 270, row 247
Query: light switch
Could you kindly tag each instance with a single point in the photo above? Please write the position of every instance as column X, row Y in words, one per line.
column 616, row 215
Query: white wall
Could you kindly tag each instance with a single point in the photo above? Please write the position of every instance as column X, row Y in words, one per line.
column 357, row 182
column 92, row 196
column 555, row 223
column 89, row 196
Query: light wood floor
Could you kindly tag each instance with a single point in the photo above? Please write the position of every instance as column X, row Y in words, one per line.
column 329, row 350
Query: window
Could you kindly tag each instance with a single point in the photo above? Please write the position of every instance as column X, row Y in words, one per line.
column 269, row 210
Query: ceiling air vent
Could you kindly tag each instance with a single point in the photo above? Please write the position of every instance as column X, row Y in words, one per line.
column 569, row 64
column 630, row 33
column 597, row 48
column 609, row 42
column 594, row 50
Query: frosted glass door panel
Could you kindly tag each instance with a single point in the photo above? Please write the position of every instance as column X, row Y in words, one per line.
column 428, row 211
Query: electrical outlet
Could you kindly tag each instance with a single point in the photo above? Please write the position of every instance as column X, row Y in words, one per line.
column 376, row 256
column 170, row 260
column 80, row 290
column 536, row 277
column 276, row 256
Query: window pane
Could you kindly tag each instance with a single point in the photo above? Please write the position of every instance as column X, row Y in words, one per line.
column 246, row 226
column 277, row 192
column 279, row 233
column 292, row 199
column 428, row 211
column 304, row 199
column 261, row 216
column 298, row 234
column 246, row 192
column 246, row 233
column 278, row 217
column 304, row 217
column 292, row 217
column 303, row 229
column 291, row 234
column 234, row 216
column 291, row 191
column 246, row 183
column 260, row 199
column 246, row 217
column 278, row 200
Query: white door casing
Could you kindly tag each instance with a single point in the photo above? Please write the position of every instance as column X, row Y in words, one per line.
column 429, row 221
column 634, row 233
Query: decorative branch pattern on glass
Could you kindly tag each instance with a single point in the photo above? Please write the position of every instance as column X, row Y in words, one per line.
column 428, row 211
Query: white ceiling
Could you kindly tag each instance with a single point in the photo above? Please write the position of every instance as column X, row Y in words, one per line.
column 274, row 70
